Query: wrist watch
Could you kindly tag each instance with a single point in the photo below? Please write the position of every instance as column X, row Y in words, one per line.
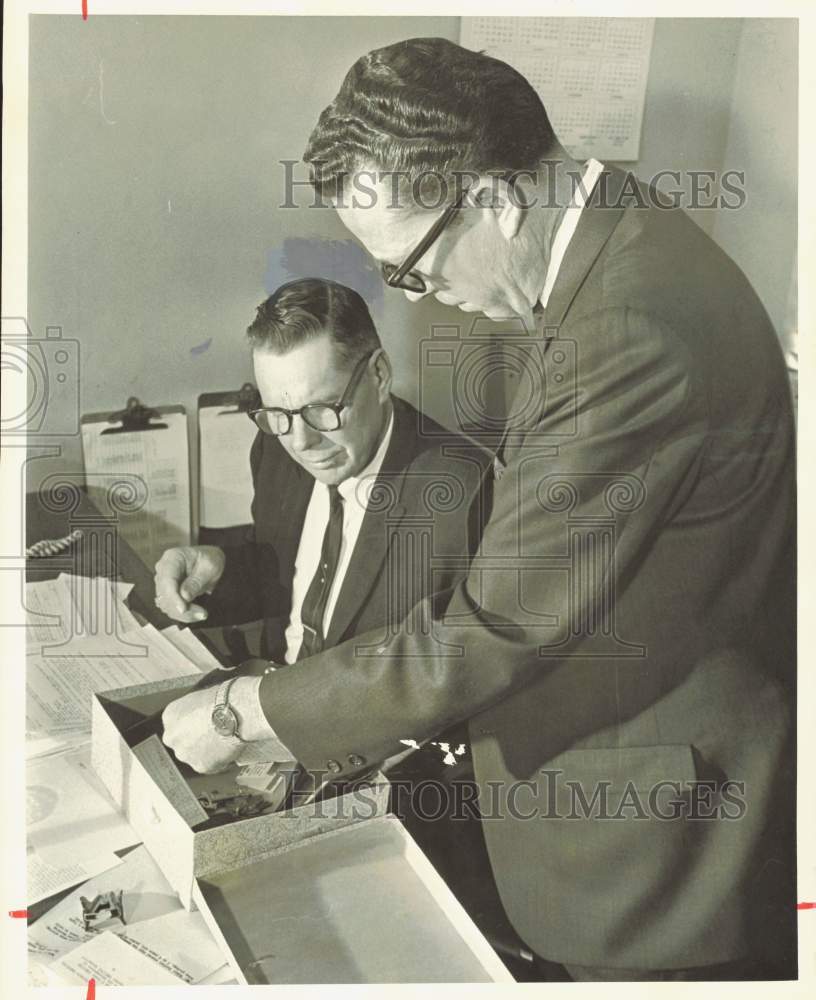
column 224, row 718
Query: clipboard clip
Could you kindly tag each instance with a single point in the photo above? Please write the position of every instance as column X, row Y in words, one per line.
column 134, row 417
column 246, row 398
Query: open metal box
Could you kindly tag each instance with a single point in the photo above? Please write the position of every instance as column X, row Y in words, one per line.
column 182, row 852
column 335, row 891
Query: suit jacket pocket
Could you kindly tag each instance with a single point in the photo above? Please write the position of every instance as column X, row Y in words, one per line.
column 629, row 782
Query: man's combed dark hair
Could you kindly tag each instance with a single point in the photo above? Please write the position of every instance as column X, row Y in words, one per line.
column 427, row 106
column 309, row 307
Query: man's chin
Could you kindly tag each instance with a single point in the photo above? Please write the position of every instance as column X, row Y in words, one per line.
column 498, row 314
column 331, row 476
column 505, row 315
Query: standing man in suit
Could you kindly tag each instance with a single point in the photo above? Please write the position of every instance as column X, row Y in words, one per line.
column 623, row 644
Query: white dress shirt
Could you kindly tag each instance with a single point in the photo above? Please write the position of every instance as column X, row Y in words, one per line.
column 354, row 493
column 568, row 225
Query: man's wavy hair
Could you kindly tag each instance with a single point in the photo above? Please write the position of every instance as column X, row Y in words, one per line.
column 430, row 109
column 304, row 309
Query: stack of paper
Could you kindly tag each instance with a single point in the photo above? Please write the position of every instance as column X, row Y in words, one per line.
column 83, row 638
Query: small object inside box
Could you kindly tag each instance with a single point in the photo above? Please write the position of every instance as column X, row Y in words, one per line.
column 244, row 790
column 242, row 805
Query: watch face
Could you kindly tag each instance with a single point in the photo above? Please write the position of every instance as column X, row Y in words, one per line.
column 224, row 720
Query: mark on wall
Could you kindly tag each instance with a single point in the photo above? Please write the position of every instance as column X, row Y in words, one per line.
column 100, row 87
column 201, row 348
column 343, row 261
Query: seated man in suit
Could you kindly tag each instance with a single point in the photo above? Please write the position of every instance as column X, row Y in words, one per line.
column 339, row 463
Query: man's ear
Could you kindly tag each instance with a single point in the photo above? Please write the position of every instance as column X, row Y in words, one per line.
column 384, row 374
column 495, row 194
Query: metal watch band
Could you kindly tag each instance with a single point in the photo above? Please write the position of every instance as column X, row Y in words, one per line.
column 222, row 710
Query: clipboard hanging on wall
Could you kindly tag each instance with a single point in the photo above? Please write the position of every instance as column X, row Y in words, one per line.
column 150, row 443
column 225, row 436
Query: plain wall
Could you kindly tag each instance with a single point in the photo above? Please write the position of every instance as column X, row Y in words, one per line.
column 762, row 141
column 155, row 182
column 154, row 187
column 687, row 109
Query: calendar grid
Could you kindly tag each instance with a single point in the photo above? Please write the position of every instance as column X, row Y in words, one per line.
column 590, row 72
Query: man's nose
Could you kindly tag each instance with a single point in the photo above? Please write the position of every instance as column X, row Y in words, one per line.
column 302, row 436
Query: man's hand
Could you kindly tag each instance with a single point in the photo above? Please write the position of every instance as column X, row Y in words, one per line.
column 189, row 732
column 184, row 573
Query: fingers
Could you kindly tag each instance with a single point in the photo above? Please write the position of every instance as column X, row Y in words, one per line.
column 193, row 585
column 171, row 569
column 205, row 565
column 174, row 591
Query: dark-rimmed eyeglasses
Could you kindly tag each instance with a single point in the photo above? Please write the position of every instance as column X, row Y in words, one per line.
column 277, row 420
column 402, row 275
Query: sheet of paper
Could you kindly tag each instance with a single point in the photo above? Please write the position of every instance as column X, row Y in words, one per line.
column 146, row 894
column 49, row 614
column 179, row 942
column 41, row 975
column 161, row 646
column 59, row 688
column 160, row 459
column 52, row 870
column 225, row 479
column 102, row 623
column 68, row 809
column 110, row 961
column 590, row 73
column 221, row 977
column 195, row 651
column 83, row 610
column 46, row 746
column 99, row 598
column 158, row 763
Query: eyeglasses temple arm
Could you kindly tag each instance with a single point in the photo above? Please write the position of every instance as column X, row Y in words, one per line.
column 430, row 236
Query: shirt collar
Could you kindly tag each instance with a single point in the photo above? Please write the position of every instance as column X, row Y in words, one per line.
column 349, row 487
column 568, row 225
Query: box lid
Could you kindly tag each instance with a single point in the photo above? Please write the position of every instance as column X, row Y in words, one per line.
column 357, row 905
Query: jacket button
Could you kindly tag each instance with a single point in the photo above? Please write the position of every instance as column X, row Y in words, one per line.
column 356, row 760
column 334, row 766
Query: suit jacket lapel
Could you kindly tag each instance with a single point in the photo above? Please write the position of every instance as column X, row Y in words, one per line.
column 595, row 226
column 292, row 492
column 372, row 543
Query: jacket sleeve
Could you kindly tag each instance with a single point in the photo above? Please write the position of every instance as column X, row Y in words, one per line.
column 626, row 434
column 238, row 596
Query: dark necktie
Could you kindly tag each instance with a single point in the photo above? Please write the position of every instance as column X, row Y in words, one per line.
column 317, row 596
